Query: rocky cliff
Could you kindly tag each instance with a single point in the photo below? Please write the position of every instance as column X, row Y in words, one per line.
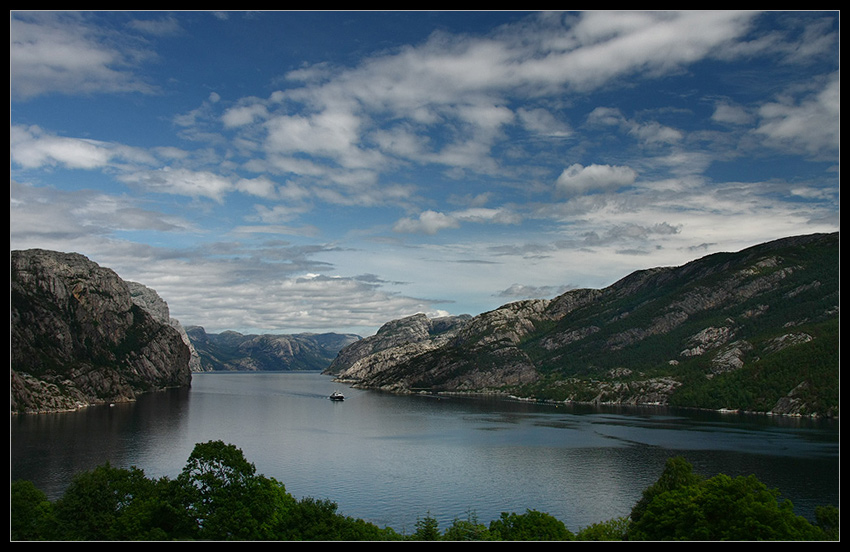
column 394, row 342
column 752, row 330
column 78, row 338
column 150, row 300
column 233, row 351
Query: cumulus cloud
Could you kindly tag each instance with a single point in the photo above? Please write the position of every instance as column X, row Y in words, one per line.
column 456, row 131
column 604, row 45
column 647, row 133
column 578, row 179
column 43, row 215
column 809, row 125
column 727, row 113
column 484, row 214
column 252, row 290
column 521, row 291
column 543, row 122
column 195, row 184
column 60, row 52
column 429, row 222
column 31, row 147
column 244, row 114
column 462, row 87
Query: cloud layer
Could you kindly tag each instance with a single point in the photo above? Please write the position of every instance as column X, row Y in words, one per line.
column 445, row 174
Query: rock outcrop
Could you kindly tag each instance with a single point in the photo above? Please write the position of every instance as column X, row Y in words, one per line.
column 79, row 339
column 156, row 306
column 654, row 335
column 395, row 341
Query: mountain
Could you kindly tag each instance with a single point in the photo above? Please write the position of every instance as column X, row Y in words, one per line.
column 755, row 330
column 395, row 341
column 233, row 351
column 78, row 338
column 150, row 300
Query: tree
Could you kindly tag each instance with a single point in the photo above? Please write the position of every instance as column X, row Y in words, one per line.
column 828, row 520
column 681, row 506
column 612, row 530
column 312, row 519
column 102, row 504
column 30, row 513
column 225, row 497
column 427, row 529
column 530, row 526
column 468, row 529
column 677, row 473
column 318, row 519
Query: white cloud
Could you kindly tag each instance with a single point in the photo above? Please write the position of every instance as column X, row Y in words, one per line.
column 196, row 184
column 810, row 125
column 647, row 133
column 483, row 214
column 261, row 186
column 606, row 45
column 578, row 179
column 244, row 114
column 40, row 216
column 463, row 85
column 31, row 147
column 543, row 122
column 438, row 133
column 429, row 222
column 522, row 291
column 59, row 52
column 728, row 113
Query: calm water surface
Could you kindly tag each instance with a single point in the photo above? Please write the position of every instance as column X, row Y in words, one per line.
column 392, row 459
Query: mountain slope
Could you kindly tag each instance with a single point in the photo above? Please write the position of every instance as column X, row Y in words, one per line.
column 712, row 333
column 233, row 351
column 78, row 338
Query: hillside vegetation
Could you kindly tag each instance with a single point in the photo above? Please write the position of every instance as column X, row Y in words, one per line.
column 755, row 330
column 219, row 496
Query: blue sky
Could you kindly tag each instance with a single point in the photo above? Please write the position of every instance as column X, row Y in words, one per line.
column 280, row 172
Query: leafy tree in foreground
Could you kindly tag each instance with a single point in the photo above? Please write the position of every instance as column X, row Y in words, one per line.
column 612, row 530
column 677, row 473
column 227, row 500
column 219, row 496
column 30, row 512
column 468, row 529
column 681, row 506
column 314, row 519
column 427, row 529
column 530, row 526
column 828, row 520
column 105, row 504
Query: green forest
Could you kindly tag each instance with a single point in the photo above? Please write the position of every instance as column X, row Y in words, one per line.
column 218, row 496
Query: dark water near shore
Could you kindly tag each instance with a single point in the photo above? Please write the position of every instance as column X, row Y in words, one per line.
column 392, row 459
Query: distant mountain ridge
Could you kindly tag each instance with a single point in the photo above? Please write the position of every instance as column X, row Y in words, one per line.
column 755, row 330
column 233, row 351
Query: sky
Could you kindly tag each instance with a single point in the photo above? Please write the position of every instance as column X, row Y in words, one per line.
column 295, row 171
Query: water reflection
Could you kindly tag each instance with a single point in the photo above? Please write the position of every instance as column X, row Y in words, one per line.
column 391, row 459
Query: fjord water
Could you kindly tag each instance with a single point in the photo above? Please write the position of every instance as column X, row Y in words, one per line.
column 392, row 459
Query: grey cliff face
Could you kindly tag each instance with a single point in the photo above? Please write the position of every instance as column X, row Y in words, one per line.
column 156, row 306
column 395, row 341
column 78, row 338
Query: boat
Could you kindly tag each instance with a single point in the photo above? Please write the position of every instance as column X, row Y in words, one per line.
column 337, row 396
